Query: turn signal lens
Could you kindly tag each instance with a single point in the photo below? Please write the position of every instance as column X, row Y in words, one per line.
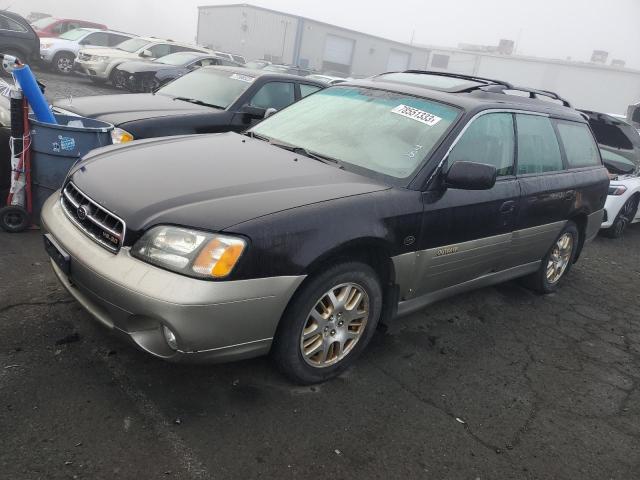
column 218, row 257
column 119, row 135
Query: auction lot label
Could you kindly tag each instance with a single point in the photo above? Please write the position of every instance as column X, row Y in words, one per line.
column 417, row 114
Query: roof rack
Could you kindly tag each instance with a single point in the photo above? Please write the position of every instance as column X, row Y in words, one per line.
column 494, row 86
column 533, row 93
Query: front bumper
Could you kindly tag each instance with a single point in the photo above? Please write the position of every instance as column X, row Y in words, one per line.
column 46, row 55
column 94, row 69
column 212, row 321
column 613, row 206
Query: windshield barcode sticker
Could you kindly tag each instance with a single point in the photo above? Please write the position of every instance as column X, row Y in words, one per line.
column 416, row 114
column 242, row 78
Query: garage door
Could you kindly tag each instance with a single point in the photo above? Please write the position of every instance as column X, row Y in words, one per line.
column 338, row 50
column 398, row 61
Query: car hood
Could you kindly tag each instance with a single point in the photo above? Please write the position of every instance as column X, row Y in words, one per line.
column 211, row 182
column 120, row 109
column 113, row 53
column 142, row 66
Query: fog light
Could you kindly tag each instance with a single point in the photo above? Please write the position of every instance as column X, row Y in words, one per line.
column 170, row 338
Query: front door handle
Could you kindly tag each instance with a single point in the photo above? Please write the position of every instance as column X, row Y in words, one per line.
column 508, row 207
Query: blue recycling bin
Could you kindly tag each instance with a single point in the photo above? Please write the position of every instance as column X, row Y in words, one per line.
column 56, row 148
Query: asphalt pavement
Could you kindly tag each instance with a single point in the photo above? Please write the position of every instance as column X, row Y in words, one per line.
column 500, row 383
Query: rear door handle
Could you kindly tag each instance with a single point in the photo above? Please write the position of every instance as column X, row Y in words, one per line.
column 508, row 207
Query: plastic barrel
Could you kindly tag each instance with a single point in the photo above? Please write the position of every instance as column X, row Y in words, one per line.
column 56, row 148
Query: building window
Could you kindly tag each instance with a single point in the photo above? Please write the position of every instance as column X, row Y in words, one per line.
column 440, row 61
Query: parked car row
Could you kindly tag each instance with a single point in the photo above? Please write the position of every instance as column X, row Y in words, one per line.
column 303, row 232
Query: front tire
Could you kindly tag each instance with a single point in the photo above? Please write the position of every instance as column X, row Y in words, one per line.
column 63, row 63
column 624, row 218
column 557, row 262
column 328, row 324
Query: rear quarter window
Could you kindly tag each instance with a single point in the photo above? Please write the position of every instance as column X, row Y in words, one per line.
column 579, row 145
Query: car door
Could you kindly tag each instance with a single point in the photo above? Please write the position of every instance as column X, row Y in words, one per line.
column 13, row 35
column 466, row 234
column 547, row 187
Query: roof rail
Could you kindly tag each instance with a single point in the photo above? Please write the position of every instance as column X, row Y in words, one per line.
column 473, row 78
column 494, row 86
column 533, row 93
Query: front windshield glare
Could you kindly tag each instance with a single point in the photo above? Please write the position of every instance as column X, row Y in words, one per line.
column 210, row 86
column 74, row 34
column 385, row 132
column 179, row 58
column 132, row 45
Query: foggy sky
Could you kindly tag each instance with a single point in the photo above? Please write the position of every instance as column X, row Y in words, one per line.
column 545, row 28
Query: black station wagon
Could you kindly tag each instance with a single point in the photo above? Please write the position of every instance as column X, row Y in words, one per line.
column 362, row 202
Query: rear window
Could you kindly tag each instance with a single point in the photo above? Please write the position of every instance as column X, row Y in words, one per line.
column 579, row 145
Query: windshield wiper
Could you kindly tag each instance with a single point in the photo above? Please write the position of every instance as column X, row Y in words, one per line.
column 303, row 151
column 197, row 102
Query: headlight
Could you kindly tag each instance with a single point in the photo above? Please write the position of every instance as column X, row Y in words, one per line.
column 99, row 58
column 617, row 190
column 190, row 252
column 119, row 135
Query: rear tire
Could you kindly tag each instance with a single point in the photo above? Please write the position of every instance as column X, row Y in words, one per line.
column 557, row 263
column 63, row 63
column 328, row 323
column 14, row 219
column 624, row 218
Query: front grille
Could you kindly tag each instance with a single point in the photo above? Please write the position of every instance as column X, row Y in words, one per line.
column 102, row 226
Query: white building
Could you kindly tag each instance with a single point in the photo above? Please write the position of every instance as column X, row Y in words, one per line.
column 260, row 33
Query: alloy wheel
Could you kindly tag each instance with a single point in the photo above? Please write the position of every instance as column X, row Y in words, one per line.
column 561, row 255
column 335, row 325
column 64, row 65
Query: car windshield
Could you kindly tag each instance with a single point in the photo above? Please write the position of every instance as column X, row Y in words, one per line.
column 179, row 58
column 44, row 23
column 619, row 164
column 383, row 132
column 74, row 34
column 132, row 45
column 208, row 86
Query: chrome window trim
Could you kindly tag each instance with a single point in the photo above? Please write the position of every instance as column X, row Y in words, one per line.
column 466, row 127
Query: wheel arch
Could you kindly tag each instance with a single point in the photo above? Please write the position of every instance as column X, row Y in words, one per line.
column 581, row 219
column 374, row 252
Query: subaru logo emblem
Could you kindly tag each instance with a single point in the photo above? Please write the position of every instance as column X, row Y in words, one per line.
column 82, row 213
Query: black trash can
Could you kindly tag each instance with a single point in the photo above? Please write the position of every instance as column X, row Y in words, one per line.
column 56, row 148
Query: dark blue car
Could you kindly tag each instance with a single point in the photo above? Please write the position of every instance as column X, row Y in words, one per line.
column 146, row 76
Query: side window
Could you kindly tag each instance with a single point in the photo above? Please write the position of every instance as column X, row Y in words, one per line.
column 579, row 145
column 10, row 24
column 306, row 90
column 115, row 39
column 538, row 148
column 160, row 50
column 205, row 62
column 178, row 48
column 99, row 39
column 276, row 95
column 490, row 139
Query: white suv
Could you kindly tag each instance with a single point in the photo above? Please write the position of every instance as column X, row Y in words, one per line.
column 620, row 148
column 60, row 53
column 100, row 63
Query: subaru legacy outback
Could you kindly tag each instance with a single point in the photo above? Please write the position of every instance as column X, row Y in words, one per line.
column 364, row 201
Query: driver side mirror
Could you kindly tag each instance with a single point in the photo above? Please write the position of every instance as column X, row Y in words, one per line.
column 146, row 54
column 254, row 112
column 270, row 111
column 471, row 176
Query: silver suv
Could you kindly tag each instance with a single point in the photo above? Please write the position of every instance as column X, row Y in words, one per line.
column 99, row 63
